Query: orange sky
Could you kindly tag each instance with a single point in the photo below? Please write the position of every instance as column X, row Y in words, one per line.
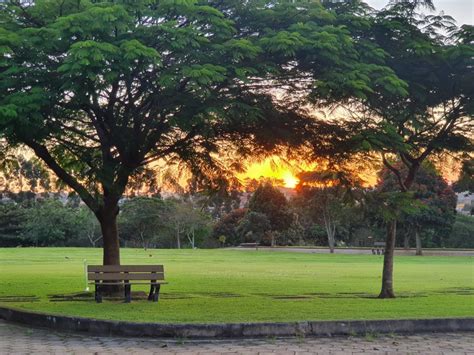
column 274, row 168
column 280, row 169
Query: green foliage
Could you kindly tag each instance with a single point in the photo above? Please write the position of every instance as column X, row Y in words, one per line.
column 227, row 226
column 12, row 218
column 49, row 223
column 253, row 227
column 142, row 220
column 466, row 178
column 325, row 202
column 408, row 86
column 428, row 209
column 98, row 90
column 269, row 201
column 462, row 233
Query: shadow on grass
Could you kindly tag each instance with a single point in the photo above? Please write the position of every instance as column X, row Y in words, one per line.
column 141, row 295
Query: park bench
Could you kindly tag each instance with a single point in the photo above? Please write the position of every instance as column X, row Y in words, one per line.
column 126, row 276
column 378, row 248
column 249, row 245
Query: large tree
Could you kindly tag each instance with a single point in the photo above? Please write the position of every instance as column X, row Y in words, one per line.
column 423, row 108
column 99, row 90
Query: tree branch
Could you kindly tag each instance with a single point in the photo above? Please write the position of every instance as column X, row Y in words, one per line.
column 42, row 152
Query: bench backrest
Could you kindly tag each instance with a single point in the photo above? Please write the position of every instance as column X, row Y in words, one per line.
column 125, row 272
column 379, row 244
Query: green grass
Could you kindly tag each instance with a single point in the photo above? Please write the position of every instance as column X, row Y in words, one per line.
column 245, row 286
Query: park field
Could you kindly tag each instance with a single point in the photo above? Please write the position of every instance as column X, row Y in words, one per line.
column 243, row 286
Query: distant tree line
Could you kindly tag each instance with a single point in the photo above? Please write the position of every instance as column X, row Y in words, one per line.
column 328, row 209
column 145, row 222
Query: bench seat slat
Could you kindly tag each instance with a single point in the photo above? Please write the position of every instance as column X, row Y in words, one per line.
column 123, row 276
column 125, row 268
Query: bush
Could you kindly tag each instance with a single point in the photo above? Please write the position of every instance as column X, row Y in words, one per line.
column 462, row 234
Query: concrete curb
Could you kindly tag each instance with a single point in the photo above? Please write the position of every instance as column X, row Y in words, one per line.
column 234, row 330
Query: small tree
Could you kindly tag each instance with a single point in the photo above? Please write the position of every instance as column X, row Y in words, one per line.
column 89, row 227
column 325, row 197
column 227, row 226
column 462, row 234
column 269, row 201
column 142, row 219
column 435, row 214
column 254, row 227
column 49, row 223
column 12, row 218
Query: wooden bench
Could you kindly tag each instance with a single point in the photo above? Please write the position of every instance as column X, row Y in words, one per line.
column 126, row 276
column 249, row 245
column 378, row 248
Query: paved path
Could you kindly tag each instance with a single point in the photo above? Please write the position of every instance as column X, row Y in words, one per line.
column 22, row 340
column 427, row 252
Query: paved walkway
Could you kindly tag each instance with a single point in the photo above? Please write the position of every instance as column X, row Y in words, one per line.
column 22, row 340
column 427, row 252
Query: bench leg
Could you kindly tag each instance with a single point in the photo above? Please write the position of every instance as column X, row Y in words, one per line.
column 156, row 295
column 128, row 293
column 98, row 296
column 152, row 292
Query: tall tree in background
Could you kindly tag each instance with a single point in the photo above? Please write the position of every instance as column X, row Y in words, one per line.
column 325, row 196
column 466, row 178
column 270, row 202
column 424, row 108
column 99, row 90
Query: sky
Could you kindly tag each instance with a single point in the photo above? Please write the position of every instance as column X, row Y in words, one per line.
column 461, row 10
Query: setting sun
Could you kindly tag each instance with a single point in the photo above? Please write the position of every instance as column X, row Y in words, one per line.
column 290, row 180
column 274, row 168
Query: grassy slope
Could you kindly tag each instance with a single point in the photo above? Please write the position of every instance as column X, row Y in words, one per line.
column 235, row 286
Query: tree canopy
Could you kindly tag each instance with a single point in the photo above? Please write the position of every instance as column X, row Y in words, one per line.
column 99, row 90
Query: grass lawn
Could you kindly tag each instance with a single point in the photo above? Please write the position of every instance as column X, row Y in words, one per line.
column 244, row 286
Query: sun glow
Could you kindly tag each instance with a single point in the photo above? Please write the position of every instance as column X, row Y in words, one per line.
column 282, row 172
column 290, row 180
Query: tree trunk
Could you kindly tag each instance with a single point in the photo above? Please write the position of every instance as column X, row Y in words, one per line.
column 331, row 244
column 330, row 231
column 178, row 241
column 387, row 274
column 108, row 225
column 418, row 244
column 107, row 217
column 406, row 242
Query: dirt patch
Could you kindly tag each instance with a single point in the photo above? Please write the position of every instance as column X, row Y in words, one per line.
column 292, row 297
column 19, row 298
column 219, row 294
column 89, row 296
column 176, row 296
